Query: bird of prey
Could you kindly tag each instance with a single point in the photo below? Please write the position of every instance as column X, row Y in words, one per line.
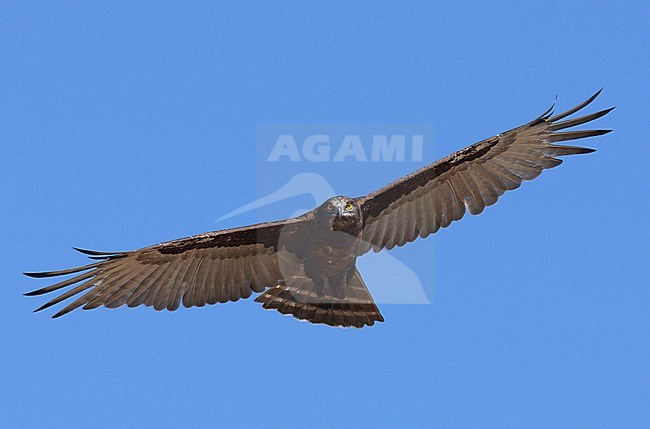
column 306, row 266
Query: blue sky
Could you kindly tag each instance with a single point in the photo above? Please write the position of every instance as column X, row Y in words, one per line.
column 124, row 124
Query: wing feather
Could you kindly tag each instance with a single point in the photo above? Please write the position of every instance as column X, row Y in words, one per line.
column 189, row 282
column 80, row 288
column 144, row 289
column 75, row 304
column 470, row 179
column 205, row 269
column 121, row 291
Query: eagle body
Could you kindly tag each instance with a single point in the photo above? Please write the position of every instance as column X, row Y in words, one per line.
column 305, row 266
column 332, row 246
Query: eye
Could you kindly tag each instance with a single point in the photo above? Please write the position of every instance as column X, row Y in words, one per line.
column 349, row 206
column 329, row 207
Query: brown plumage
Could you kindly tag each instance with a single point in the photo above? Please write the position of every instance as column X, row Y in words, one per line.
column 306, row 266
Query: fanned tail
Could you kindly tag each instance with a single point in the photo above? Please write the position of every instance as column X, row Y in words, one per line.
column 297, row 297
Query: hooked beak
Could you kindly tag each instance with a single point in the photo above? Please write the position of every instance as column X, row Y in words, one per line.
column 339, row 212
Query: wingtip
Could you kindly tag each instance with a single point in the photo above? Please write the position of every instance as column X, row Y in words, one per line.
column 548, row 112
column 41, row 308
column 37, row 292
column 48, row 305
column 35, row 274
column 571, row 111
column 603, row 112
column 91, row 252
column 593, row 97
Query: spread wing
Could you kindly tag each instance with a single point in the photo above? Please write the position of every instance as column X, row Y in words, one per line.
column 471, row 179
column 204, row 269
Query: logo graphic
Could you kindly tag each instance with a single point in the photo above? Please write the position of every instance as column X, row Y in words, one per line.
column 322, row 148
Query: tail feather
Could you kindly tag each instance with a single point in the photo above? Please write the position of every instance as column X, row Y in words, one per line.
column 297, row 297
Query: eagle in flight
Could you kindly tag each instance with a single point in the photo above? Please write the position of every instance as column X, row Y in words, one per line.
column 306, row 266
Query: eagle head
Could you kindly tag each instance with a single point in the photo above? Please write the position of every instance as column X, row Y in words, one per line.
column 340, row 214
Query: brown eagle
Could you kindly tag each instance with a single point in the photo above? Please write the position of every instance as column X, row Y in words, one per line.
column 306, row 266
